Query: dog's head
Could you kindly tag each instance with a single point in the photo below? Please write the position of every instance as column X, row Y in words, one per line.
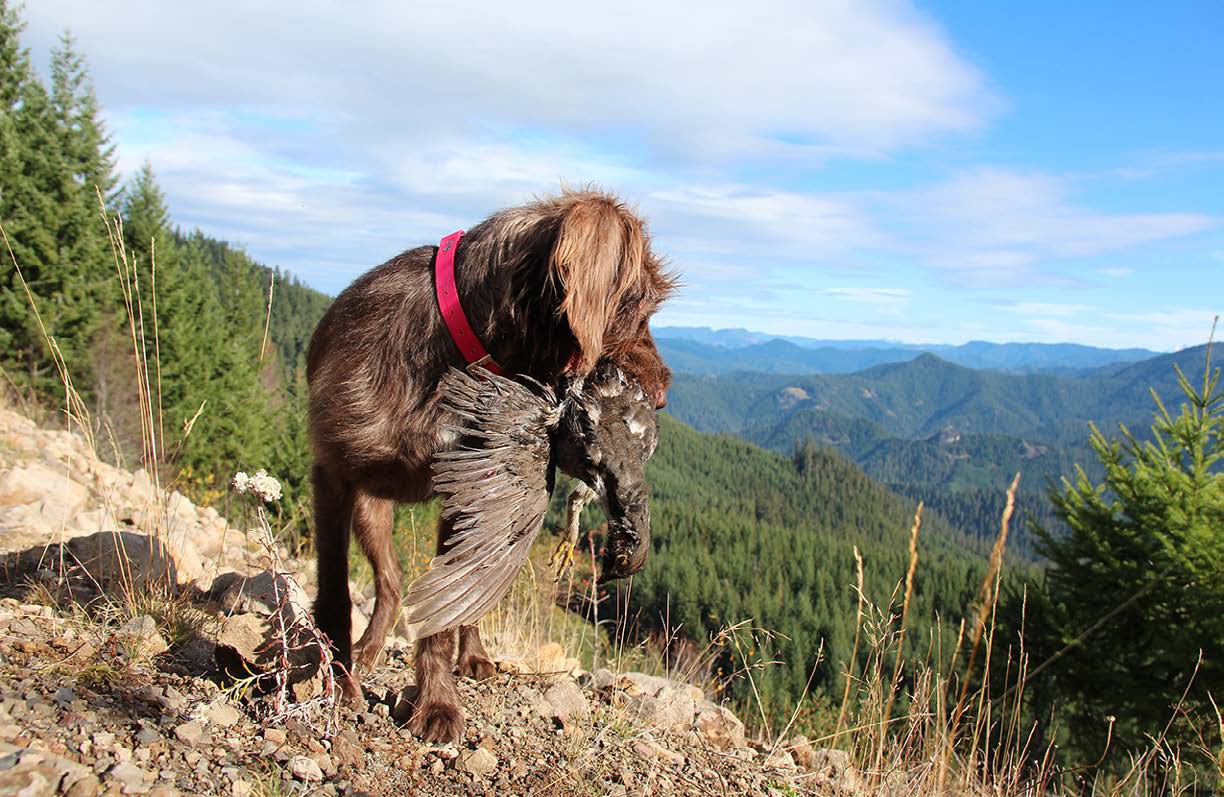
column 613, row 283
column 584, row 285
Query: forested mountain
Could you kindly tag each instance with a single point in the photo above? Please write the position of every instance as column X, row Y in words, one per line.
column 928, row 396
column 773, row 356
column 699, row 350
column 934, row 430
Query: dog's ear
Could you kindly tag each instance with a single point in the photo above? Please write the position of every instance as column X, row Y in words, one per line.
column 597, row 258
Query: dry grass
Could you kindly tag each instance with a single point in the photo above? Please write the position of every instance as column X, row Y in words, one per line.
column 134, row 595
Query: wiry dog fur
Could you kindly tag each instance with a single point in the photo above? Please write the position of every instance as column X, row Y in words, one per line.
column 550, row 287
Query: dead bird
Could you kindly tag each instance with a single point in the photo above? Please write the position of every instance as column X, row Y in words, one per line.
column 496, row 483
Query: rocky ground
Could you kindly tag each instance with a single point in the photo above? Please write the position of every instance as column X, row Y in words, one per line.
column 127, row 613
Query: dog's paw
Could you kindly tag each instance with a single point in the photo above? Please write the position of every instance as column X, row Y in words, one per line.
column 437, row 723
column 478, row 667
column 350, row 688
column 366, row 657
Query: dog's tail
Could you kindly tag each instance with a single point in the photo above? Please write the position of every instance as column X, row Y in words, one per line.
column 598, row 258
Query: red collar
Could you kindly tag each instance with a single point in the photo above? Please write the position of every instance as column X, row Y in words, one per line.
column 452, row 311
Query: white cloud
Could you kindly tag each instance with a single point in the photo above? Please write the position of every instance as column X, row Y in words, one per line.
column 1175, row 327
column 994, row 226
column 878, row 296
column 696, row 78
column 1115, row 272
column 760, row 224
column 1051, row 309
column 1164, row 330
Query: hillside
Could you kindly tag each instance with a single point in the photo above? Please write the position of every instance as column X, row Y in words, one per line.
column 926, row 397
column 123, row 613
column 743, row 533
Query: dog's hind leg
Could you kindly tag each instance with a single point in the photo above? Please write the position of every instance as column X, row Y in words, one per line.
column 333, row 607
column 373, row 524
column 436, row 717
column 474, row 660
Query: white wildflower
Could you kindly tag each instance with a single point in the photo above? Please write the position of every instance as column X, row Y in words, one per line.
column 261, row 485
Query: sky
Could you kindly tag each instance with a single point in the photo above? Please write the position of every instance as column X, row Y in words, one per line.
column 930, row 173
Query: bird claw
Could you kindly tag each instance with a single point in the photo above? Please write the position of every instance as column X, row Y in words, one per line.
column 563, row 555
column 562, row 558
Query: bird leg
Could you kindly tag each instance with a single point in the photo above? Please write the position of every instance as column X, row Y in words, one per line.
column 563, row 554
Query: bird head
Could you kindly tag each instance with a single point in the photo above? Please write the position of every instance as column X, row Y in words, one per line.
column 607, row 432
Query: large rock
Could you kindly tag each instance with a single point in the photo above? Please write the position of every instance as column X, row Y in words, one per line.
column 476, row 762
column 122, row 559
column 34, row 482
column 669, row 709
column 565, row 702
column 249, row 644
column 260, row 594
column 660, row 702
column 639, row 683
column 38, row 506
column 141, row 638
column 305, row 769
column 241, row 649
column 719, row 726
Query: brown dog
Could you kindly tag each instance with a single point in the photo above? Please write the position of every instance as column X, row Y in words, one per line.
column 549, row 287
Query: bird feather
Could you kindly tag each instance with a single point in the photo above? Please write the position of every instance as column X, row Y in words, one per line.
column 494, row 492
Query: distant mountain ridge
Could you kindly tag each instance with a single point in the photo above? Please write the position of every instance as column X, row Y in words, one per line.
column 702, row 350
column 920, row 397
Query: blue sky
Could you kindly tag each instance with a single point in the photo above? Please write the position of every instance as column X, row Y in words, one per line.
column 937, row 172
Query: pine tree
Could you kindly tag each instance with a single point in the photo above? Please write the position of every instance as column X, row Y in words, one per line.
column 1137, row 581
column 216, row 415
column 246, row 388
column 179, row 314
column 87, row 145
column 30, row 182
column 88, row 160
column 51, row 145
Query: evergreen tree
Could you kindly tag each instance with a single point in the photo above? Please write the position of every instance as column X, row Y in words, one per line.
column 146, row 220
column 245, row 392
column 216, row 414
column 88, row 162
column 30, row 169
column 53, row 146
column 1137, row 580
column 179, row 311
column 87, row 146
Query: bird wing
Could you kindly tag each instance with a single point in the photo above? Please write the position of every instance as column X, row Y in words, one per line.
column 494, row 492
